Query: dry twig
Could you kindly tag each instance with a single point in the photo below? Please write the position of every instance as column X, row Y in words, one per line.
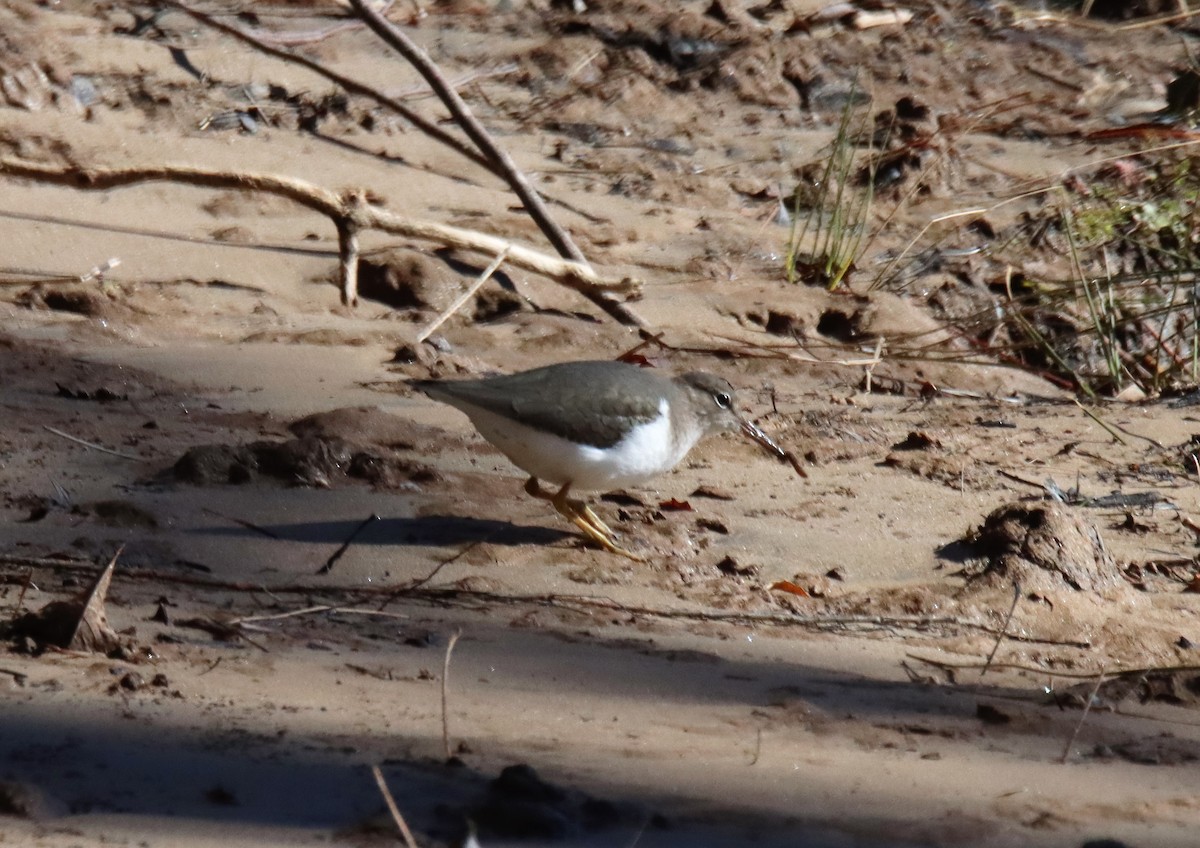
column 88, row 444
column 445, row 683
column 1003, row 629
column 336, row 555
column 502, row 163
column 353, row 86
column 350, row 213
column 1070, row 675
column 491, row 156
column 392, row 808
column 462, row 597
column 294, row 39
column 1086, row 709
column 464, row 297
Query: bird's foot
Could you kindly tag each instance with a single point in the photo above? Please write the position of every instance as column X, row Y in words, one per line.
column 582, row 516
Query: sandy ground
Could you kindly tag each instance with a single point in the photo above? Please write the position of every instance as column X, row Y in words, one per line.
column 590, row 700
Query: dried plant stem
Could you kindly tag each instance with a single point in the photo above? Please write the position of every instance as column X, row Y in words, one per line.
column 445, row 683
column 350, row 213
column 501, row 162
column 492, row 157
column 294, row 39
column 1003, row 629
column 1086, row 709
column 473, row 599
column 348, row 250
column 1116, row 436
column 345, row 546
column 1126, row 674
column 465, row 296
column 392, row 808
column 1182, row 15
column 88, row 444
column 353, row 86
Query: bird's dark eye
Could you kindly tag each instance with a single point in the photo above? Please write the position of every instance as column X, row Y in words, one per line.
column 723, row 400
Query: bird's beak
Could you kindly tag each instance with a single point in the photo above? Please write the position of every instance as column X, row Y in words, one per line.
column 756, row 435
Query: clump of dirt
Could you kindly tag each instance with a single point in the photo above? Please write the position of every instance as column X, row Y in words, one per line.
column 77, row 624
column 79, row 299
column 1180, row 687
column 520, row 804
column 407, row 279
column 307, row 461
column 367, row 425
column 412, row 280
column 1041, row 547
column 118, row 513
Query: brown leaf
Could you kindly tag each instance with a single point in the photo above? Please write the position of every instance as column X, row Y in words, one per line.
column 674, row 505
column 636, row 359
column 790, row 587
column 79, row 624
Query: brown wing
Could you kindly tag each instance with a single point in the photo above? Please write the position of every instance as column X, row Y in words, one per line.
column 591, row 402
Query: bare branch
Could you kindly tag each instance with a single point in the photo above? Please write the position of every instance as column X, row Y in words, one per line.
column 445, row 685
column 353, row 86
column 502, row 163
column 393, row 808
column 493, row 158
column 350, row 213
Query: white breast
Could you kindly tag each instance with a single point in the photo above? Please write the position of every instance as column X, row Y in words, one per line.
column 648, row 450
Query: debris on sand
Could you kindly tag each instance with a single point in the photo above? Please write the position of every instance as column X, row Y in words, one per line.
column 1042, row 547
column 307, row 461
column 79, row 624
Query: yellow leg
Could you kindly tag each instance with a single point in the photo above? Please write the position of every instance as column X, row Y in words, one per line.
column 592, row 518
column 582, row 516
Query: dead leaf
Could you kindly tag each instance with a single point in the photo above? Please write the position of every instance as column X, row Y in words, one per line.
column 790, row 587
column 673, row 505
column 79, row 624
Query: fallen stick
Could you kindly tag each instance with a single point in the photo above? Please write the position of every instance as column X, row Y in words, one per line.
column 392, row 808
column 471, row 598
column 502, row 163
column 88, row 444
column 353, row 86
column 345, row 546
column 1087, row 707
column 490, row 155
column 349, row 211
column 295, row 39
column 445, row 684
column 464, row 297
column 1070, row 675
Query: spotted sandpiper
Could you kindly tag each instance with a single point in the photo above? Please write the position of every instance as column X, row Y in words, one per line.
column 595, row 426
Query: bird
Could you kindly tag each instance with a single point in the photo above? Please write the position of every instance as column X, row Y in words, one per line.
column 596, row 425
